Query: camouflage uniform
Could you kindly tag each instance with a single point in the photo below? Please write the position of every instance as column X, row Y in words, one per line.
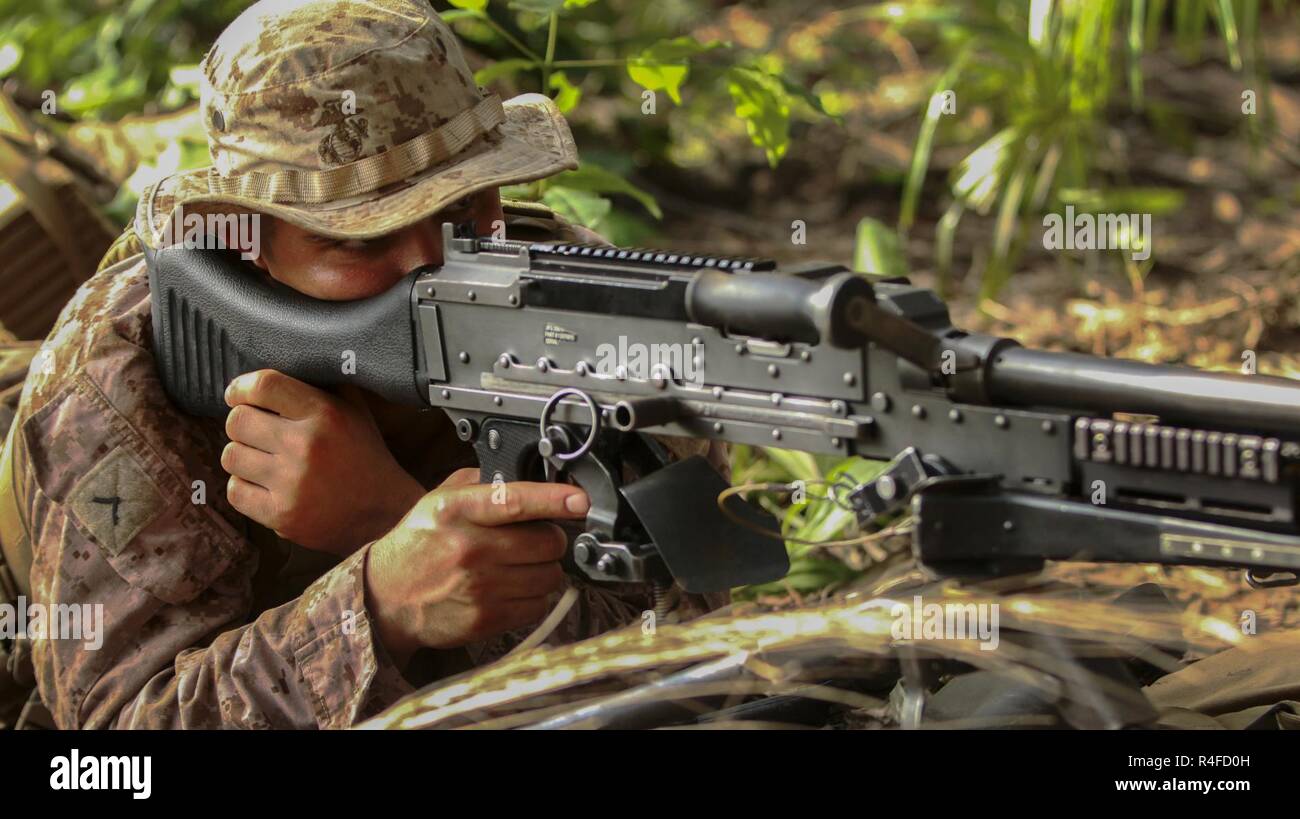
column 209, row 619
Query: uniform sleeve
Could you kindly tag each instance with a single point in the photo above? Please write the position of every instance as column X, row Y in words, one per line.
column 125, row 532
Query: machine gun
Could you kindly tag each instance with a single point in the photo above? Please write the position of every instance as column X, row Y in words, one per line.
column 1008, row 456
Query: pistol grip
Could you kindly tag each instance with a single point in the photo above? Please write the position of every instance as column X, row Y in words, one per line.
column 507, row 451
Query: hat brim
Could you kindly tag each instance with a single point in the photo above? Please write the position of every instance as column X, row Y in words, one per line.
column 533, row 142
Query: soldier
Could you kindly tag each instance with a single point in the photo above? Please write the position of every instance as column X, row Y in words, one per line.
column 290, row 567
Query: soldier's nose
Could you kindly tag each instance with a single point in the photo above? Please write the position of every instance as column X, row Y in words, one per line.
column 418, row 245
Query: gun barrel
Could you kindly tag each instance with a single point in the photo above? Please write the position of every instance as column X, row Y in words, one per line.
column 779, row 306
column 1037, row 378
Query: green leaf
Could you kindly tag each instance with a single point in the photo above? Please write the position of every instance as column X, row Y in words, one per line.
column 877, row 250
column 501, row 68
column 595, row 179
column 548, row 7
column 538, row 6
column 567, row 94
column 794, row 89
column 925, row 141
column 583, row 207
column 1156, row 201
column 665, row 65
column 763, row 104
column 469, row 5
column 798, row 465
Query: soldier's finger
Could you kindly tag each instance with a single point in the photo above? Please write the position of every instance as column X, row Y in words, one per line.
column 277, row 392
column 518, row 544
column 250, row 499
column 252, row 465
column 256, row 427
column 499, row 504
column 523, row 582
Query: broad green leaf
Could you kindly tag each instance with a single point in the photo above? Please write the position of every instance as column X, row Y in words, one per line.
column 665, row 65
column 567, row 94
column 764, row 105
column 470, row 5
column 595, row 179
column 583, row 207
column 501, row 68
column 877, row 250
column 548, row 7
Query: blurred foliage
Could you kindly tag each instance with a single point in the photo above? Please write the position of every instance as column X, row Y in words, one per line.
column 1045, row 71
column 105, row 60
column 632, row 54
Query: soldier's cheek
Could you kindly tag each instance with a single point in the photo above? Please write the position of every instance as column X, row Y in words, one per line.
column 345, row 280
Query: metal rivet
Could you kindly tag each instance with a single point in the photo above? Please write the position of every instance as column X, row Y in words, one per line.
column 504, row 361
column 543, row 365
column 717, row 426
column 1008, row 525
column 776, row 434
column 839, row 407
column 836, row 442
column 1002, row 421
column 496, row 399
column 880, row 402
column 1049, row 427
column 581, row 368
column 464, row 357
column 472, row 296
column 776, row 399
column 850, row 379
column 954, row 415
column 717, row 392
column 918, row 411
column 805, row 356
column 773, row 370
column 513, row 299
column 446, row 395
column 430, row 292
column 740, row 349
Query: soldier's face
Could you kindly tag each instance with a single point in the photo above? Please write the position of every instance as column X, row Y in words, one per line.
column 340, row 270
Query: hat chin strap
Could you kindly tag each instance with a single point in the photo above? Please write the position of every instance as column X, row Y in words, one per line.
column 369, row 173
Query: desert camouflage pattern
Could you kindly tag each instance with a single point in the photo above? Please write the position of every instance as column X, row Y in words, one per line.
column 310, row 85
column 209, row 620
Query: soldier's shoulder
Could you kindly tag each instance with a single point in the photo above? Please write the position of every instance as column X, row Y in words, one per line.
column 105, row 324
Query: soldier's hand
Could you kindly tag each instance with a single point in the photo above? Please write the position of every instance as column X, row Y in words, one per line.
column 310, row 465
column 469, row 561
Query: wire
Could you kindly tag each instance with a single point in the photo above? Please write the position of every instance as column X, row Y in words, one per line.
column 548, row 625
column 898, row 529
